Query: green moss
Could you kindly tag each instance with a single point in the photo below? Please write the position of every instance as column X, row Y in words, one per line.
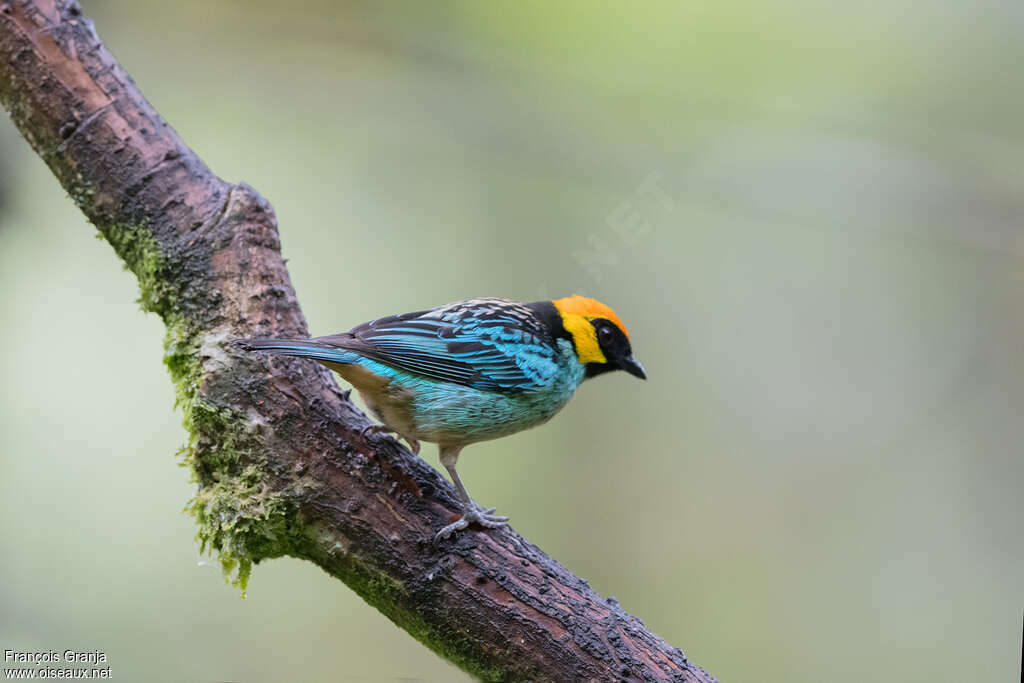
column 243, row 521
column 142, row 255
column 181, row 356
column 236, row 513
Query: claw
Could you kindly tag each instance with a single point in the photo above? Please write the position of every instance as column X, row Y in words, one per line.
column 368, row 430
column 374, row 429
column 447, row 531
column 475, row 515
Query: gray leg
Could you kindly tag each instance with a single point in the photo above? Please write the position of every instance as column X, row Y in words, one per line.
column 471, row 510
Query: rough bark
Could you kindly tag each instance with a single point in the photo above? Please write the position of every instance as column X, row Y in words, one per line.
column 273, row 442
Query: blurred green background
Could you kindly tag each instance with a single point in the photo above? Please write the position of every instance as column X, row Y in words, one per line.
column 809, row 214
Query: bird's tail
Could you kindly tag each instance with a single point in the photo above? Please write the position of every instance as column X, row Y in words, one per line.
column 302, row 348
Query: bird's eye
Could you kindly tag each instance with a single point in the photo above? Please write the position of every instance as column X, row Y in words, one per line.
column 604, row 334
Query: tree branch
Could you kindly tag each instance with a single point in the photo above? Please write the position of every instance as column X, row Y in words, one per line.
column 273, row 443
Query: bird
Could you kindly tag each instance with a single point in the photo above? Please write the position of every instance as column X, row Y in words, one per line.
column 470, row 371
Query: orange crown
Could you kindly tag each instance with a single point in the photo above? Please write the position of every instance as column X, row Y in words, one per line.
column 589, row 309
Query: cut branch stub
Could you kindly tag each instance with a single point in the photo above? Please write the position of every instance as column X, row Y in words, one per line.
column 274, row 444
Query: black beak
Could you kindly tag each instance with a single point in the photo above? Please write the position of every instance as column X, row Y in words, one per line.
column 633, row 367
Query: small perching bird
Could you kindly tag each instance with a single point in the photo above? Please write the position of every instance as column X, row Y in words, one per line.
column 470, row 371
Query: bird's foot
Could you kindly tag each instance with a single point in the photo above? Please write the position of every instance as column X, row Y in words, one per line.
column 370, row 430
column 475, row 514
